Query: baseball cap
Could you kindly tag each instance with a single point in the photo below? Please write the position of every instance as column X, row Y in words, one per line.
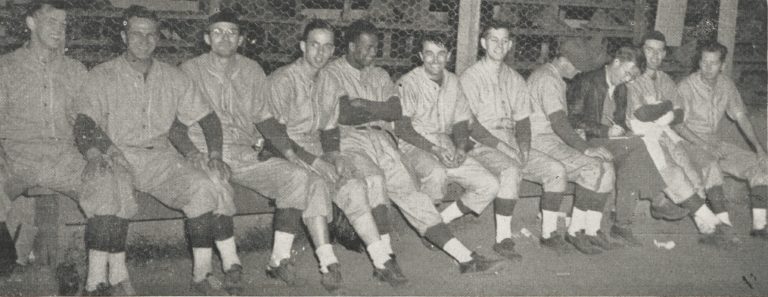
column 653, row 35
column 575, row 50
column 226, row 15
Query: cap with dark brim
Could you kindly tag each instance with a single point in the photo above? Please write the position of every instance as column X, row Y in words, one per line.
column 575, row 50
column 654, row 35
column 227, row 16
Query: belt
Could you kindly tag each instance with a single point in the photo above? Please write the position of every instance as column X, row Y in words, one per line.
column 371, row 127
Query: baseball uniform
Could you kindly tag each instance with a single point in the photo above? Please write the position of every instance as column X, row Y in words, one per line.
column 433, row 110
column 136, row 113
column 36, row 134
column 371, row 146
column 237, row 97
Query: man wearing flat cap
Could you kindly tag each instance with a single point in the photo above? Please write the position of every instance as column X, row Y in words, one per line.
column 588, row 166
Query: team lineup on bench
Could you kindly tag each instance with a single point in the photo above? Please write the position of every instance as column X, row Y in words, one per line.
column 332, row 139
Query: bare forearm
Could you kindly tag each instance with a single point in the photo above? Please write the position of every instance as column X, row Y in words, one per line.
column 686, row 133
column 749, row 131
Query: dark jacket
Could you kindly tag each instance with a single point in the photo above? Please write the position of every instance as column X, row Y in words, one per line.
column 586, row 94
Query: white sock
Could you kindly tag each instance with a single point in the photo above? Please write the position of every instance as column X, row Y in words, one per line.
column 594, row 218
column 548, row 223
column 281, row 248
column 326, row 256
column 387, row 241
column 758, row 218
column 705, row 220
column 451, row 213
column 503, row 227
column 724, row 218
column 578, row 221
column 228, row 252
column 378, row 254
column 97, row 269
column 118, row 271
column 457, row 250
column 201, row 263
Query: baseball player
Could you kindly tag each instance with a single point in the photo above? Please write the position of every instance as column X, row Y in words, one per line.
column 651, row 110
column 134, row 99
column 435, row 130
column 590, row 167
column 500, row 100
column 597, row 104
column 363, row 99
column 235, row 87
column 706, row 96
column 39, row 85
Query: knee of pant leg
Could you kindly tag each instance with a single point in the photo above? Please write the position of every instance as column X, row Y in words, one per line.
column 381, row 217
column 556, row 177
column 287, row 220
column 200, row 230
column 202, row 198
column 712, row 176
column 106, row 233
column 434, row 184
column 488, row 186
column 352, row 201
column 438, row 234
column 607, row 179
column 376, row 190
column 678, row 184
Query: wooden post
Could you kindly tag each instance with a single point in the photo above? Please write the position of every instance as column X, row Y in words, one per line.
column 726, row 30
column 468, row 34
column 640, row 21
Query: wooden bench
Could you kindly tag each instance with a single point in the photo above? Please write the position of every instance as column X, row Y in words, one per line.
column 55, row 212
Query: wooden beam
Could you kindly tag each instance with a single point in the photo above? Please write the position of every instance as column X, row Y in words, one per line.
column 468, row 34
column 726, row 30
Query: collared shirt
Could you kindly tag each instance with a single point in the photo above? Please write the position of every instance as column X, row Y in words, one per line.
column 235, row 93
column 497, row 96
column 609, row 105
column 645, row 90
column 547, row 89
column 136, row 111
column 706, row 105
column 290, row 95
column 36, row 96
column 433, row 108
column 339, row 78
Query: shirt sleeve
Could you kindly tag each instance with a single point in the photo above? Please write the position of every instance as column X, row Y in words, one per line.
column 191, row 106
column 328, row 91
column 92, row 99
column 550, row 93
column 461, row 111
column 408, row 97
column 260, row 109
column 735, row 103
column 522, row 104
column 77, row 77
column 471, row 92
column 684, row 95
column 280, row 94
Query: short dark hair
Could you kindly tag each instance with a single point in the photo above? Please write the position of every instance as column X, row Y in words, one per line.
column 357, row 28
column 653, row 35
column 315, row 24
column 433, row 37
column 38, row 5
column 495, row 25
column 225, row 15
column 709, row 46
column 627, row 54
column 138, row 11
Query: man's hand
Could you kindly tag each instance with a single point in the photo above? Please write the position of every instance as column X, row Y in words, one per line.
column 600, row 153
column 216, row 163
column 197, row 159
column 445, row 156
column 325, row 169
column 459, row 157
column 615, row 131
column 357, row 102
column 97, row 164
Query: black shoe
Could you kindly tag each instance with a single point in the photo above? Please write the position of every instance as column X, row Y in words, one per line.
column 722, row 238
column 759, row 233
column 390, row 274
column 68, row 279
column 666, row 210
column 210, row 286
column 102, row 289
column 233, row 280
column 506, row 248
column 625, row 234
column 601, row 241
column 582, row 244
column 480, row 263
column 429, row 245
column 332, row 280
column 285, row 272
column 556, row 243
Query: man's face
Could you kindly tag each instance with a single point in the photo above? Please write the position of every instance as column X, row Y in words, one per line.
column 49, row 26
column 496, row 44
column 141, row 36
column 224, row 39
column 435, row 57
column 567, row 68
column 623, row 72
column 710, row 65
column 318, row 48
column 363, row 50
column 654, row 51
